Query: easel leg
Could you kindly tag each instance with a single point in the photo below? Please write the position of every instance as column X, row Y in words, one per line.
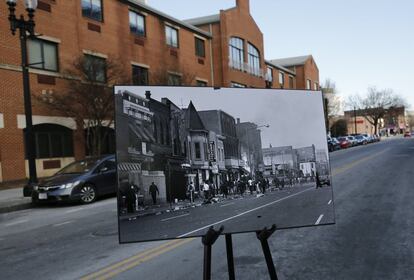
column 230, row 259
column 263, row 236
column 208, row 240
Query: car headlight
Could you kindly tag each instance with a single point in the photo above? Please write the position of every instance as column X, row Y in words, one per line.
column 35, row 188
column 69, row 185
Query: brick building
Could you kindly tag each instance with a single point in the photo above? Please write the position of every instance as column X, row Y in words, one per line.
column 152, row 47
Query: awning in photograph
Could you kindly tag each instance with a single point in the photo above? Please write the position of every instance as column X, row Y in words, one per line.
column 129, row 166
column 142, row 133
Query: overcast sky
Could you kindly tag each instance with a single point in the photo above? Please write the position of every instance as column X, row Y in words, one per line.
column 355, row 43
column 295, row 117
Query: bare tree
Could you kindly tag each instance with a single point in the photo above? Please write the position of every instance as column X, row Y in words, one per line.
column 331, row 94
column 172, row 75
column 376, row 104
column 88, row 97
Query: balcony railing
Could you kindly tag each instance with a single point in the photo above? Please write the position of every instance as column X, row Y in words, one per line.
column 245, row 67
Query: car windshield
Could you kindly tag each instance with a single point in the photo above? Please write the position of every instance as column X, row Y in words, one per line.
column 341, row 138
column 359, row 137
column 79, row 167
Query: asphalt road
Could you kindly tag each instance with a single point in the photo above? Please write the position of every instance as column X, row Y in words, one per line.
column 373, row 237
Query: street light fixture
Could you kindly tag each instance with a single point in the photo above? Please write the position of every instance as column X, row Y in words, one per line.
column 26, row 29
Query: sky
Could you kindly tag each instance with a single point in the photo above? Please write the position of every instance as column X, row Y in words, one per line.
column 357, row 44
column 295, row 118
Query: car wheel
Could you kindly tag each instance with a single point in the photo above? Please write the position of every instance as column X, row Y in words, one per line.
column 87, row 193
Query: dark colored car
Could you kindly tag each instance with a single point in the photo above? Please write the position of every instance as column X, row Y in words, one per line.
column 333, row 144
column 81, row 181
column 407, row 134
column 361, row 140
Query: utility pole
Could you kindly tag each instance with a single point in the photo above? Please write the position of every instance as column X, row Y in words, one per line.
column 355, row 120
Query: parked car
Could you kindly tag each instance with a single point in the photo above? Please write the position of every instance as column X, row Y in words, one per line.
column 407, row 134
column 82, row 181
column 361, row 139
column 325, row 180
column 352, row 140
column 344, row 142
column 333, row 144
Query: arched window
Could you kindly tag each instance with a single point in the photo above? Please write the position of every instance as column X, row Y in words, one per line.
column 253, row 59
column 52, row 141
column 236, row 53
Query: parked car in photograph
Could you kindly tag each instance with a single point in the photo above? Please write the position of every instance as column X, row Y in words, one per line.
column 344, row 142
column 325, row 180
column 82, row 181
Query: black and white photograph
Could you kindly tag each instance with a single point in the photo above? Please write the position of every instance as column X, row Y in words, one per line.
column 190, row 158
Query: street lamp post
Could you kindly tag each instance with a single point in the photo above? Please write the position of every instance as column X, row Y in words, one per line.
column 26, row 26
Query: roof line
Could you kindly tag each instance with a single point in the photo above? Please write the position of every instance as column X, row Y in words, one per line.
column 280, row 67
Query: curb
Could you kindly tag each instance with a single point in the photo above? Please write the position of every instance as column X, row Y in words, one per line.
column 17, row 207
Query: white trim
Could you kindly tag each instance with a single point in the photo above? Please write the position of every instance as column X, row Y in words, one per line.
column 201, row 79
column 200, row 37
column 45, row 72
column 135, row 10
column 48, row 38
column 1, row 120
column 102, row 55
column 63, row 121
column 171, row 25
column 175, row 73
column 140, row 64
column 104, row 123
column 16, row 68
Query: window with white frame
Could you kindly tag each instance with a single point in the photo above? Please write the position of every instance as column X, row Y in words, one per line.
column 137, row 23
column 236, row 53
column 315, row 86
column 171, row 36
column 253, row 59
column 269, row 74
column 281, row 78
column 308, row 84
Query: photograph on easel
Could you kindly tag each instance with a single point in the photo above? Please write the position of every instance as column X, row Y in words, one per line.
column 189, row 158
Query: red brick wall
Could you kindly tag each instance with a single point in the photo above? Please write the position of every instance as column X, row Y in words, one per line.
column 66, row 23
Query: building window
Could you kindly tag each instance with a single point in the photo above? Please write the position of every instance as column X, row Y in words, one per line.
column 308, row 84
column 199, row 47
column 43, row 55
column 95, row 67
column 201, row 83
column 253, row 60
column 53, row 141
column 281, row 79
column 237, row 85
column 171, row 36
column 137, row 23
column 92, row 9
column 291, row 83
column 197, row 148
column 315, row 86
column 236, row 53
column 139, row 76
column 174, row 80
column 269, row 74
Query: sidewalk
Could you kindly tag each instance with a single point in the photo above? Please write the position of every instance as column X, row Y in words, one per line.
column 12, row 200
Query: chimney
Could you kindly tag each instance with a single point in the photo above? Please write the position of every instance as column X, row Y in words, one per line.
column 243, row 5
column 148, row 94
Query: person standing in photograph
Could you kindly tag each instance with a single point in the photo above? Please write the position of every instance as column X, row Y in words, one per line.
column 224, row 189
column 190, row 190
column 206, row 190
column 153, row 190
column 318, row 181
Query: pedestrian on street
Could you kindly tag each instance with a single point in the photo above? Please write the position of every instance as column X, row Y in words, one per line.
column 153, row 190
column 251, row 189
column 190, row 191
column 224, row 189
column 206, row 190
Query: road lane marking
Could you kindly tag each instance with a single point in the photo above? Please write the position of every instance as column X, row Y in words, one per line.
column 61, row 224
column 224, row 205
column 245, row 212
column 319, row 220
column 175, row 217
column 330, row 201
column 74, row 210
column 16, row 223
column 128, row 263
column 351, row 165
